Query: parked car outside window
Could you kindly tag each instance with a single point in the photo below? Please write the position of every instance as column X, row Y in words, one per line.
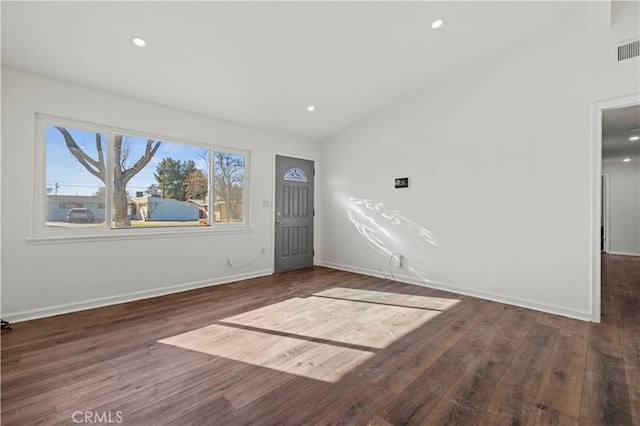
column 80, row 215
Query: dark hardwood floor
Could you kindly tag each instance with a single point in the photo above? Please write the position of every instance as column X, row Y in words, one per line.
column 321, row 346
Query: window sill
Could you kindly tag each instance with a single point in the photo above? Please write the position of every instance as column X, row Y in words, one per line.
column 131, row 234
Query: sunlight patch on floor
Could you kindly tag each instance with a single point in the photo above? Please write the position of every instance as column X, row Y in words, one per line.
column 322, row 337
column 372, row 325
column 407, row 300
column 282, row 353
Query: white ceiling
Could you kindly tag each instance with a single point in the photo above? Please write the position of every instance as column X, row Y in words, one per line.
column 615, row 134
column 261, row 63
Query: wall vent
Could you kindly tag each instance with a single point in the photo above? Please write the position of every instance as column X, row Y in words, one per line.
column 628, row 50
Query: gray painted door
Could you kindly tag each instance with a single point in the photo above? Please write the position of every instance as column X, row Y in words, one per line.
column 293, row 214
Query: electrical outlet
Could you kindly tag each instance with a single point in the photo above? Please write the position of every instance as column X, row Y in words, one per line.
column 230, row 261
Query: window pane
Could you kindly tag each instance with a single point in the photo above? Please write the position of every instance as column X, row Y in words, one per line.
column 229, row 187
column 295, row 174
column 159, row 183
column 149, row 182
column 75, row 175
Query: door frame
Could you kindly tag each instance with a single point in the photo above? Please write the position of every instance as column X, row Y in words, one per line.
column 273, row 200
column 596, row 194
column 606, row 203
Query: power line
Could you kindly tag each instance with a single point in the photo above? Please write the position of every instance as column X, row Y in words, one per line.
column 79, row 185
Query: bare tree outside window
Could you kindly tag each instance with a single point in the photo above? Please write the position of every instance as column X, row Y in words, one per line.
column 228, row 186
column 124, row 168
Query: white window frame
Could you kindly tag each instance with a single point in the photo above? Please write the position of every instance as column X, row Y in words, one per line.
column 41, row 234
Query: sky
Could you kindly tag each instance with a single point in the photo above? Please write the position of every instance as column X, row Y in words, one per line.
column 72, row 178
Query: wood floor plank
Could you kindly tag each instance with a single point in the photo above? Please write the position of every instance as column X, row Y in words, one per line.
column 606, row 396
column 322, row 346
column 415, row 403
column 627, row 301
column 514, row 396
column 548, row 416
column 464, row 401
column 608, row 399
column 565, row 371
column 350, row 408
column 203, row 381
column 199, row 413
column 424, row 347
column 377, row 421
column 631, row 357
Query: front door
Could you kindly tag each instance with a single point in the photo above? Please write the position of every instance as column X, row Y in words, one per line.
column 293, row 213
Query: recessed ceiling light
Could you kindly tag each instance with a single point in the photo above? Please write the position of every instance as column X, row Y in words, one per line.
column 311, row 108
column 634, row 138
column 436, row 24
column 139, row 41
column 626, row 160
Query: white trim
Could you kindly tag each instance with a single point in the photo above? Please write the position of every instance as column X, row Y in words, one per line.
column 136, row 234
column 596, row 194
column 607, row 212
column 128, row 297
column 467, row 291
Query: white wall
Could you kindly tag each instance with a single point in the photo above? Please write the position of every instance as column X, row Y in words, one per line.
column 500, row 165
column 40, row 280
column 624, row 205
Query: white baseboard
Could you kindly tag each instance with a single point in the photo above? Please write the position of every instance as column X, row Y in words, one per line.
column 509, row 300
column 128, row 297
column 623, row 253
column 146, row 294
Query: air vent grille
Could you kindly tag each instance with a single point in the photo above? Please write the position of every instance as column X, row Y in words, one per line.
column 628, row 50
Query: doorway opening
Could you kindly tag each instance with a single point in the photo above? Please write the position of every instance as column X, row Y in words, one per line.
column 616, row 185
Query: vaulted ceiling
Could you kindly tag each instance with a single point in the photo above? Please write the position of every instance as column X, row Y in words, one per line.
column 262, row 64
